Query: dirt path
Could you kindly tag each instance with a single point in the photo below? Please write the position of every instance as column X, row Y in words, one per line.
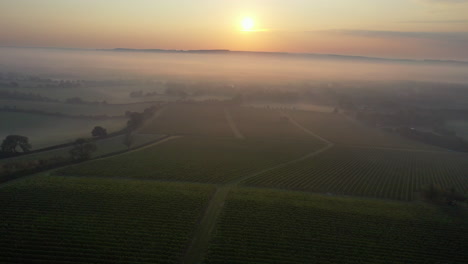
column 442, row 151
column 233, row 125
column 204, row 232
column 49, row 172
column 303, row 128
column 146, row 146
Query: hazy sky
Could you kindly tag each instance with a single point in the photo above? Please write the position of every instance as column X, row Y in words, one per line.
column 389, row 28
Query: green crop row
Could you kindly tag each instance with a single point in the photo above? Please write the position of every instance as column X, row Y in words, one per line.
column 342, row 130
column 303, row 228
column 377, row 173
column 191, row 119
column 195, row 159
column 87, row 220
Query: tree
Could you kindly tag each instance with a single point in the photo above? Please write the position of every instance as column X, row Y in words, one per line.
column 82, row 149
column 128, row 140
column 11, row 143
column 99, row 131
column 135, row 121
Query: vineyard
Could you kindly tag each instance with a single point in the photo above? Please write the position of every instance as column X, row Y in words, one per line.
column 377, row 173
column 267, row 124
column 85, row 220
column 340, row 130
column 190, row 119
column 195, row 159
column 281, row 227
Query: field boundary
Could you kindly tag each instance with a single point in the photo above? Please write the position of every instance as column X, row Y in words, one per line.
column 232, row 125
column 303, row 128
column 20, row 175
column 202, row 236
column 442, row 151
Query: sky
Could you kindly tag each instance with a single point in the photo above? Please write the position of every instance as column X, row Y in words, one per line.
column 418, row 29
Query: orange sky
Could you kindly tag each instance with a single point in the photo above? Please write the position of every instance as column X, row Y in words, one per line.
column 388, row 28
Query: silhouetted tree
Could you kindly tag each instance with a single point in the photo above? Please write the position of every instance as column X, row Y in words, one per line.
column 82, row 149
column 99, row 131
column 135, row 121
column 128, row 140
column 11, row 143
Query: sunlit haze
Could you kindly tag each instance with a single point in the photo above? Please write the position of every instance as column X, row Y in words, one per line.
column 385, row 28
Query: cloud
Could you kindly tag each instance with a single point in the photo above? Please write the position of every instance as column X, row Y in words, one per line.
column 444, row 36
column 445, row 1
column 461, row 21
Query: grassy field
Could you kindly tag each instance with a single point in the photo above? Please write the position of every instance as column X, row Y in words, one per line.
column 75, row 109
column 191, row 119
column 341, row 130
column 266, row 124
column 265, row 226
column 104, row 147
column 44, row 131
column 460, row 127
column 377, row 173
column 196, row 159
column 130, row 208
column 84, row 220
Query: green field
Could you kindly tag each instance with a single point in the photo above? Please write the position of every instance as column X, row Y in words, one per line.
column 341, row 130
column 75, row 109
column 84, row 220
column 190, row 119
column 460, row 127
column 195, row 159
column 104, row 147
column 44, row 131
column 153, row 205
column 388, row 174
column 264, row 226
column 267, row 124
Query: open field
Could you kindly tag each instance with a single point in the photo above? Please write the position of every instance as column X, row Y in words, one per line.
column 196, row 159
column 266, row 124
column 75, row 109
column 104, row 147
column 460, row 127
column 388, row 174
column 340, row 130
column 44, row 131
column 266, row 226
column 85, row 220
column 191, row 119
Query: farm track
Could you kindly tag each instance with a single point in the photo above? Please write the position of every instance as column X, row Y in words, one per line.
column 203, row 234
column 49, row 172
column 163, row 140
column 303, row 128
column 232, row 125
column 404, row 149
column 294, row 122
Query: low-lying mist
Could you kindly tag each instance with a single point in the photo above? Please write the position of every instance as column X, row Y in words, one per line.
column 231, row 67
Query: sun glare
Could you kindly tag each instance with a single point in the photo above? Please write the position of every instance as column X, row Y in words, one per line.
column 247, row 24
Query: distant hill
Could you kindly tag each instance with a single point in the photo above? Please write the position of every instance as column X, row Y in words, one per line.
column 302, row 55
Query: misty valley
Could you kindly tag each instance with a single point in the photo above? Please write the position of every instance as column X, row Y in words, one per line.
column 124, row 156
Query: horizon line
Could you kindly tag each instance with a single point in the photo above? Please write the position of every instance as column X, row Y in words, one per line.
column 155, row 50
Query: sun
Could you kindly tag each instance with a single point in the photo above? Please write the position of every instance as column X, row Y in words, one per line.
column 247, row 24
